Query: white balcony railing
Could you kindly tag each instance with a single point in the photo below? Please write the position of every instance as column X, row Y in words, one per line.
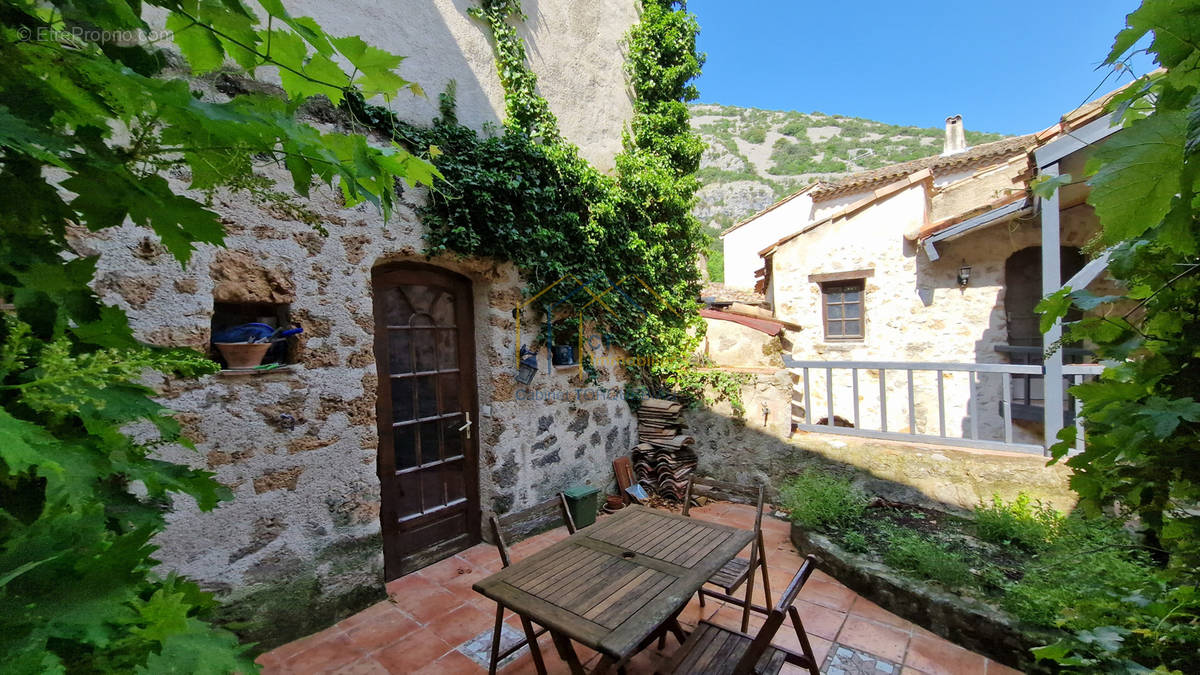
column 962, row 404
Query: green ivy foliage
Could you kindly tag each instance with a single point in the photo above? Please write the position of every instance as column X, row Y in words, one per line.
column 90, row 122
column 1142, row 416
column 526, row 195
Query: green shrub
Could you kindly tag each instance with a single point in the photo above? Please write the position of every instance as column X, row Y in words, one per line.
column 1026, row 523
column 714, row 256
column 1117, row 607
column 1078, row 584
column 855, row 542
column 1088, row 559
column 792, row 157
column 926, row 559
column 979, row 138
column 795, row 129
column 820, row 501
column 754, row 135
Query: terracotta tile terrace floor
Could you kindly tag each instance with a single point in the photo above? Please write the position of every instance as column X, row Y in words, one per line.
column 434, row 623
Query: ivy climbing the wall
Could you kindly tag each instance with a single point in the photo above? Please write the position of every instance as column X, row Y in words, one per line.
column 526, row 195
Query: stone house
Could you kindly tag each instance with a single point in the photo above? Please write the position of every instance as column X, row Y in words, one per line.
column 934, row 261
column 394, row 424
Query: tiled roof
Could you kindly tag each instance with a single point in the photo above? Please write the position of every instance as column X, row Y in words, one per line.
column 889, row 176
column 719, row 293
column 988, row 152
column 879, row 193
column 762, row 325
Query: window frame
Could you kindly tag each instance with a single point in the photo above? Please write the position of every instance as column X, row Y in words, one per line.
column 849, row 285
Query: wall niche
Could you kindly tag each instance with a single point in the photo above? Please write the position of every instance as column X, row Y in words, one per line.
column 229, row 317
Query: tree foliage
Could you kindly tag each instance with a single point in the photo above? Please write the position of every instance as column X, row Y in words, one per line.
column 91, row 121
column 1143, row 414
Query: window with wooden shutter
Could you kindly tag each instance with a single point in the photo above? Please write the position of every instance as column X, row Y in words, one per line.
column 842, row 309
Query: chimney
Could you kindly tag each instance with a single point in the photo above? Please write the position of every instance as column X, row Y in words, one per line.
column 956, row 140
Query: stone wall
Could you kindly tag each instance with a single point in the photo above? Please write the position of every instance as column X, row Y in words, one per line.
column 915, row 311
column 298, row 446
column 572, row 46
column 977, row 189
column 762, row 448
column 731, row 344
column 300, row 545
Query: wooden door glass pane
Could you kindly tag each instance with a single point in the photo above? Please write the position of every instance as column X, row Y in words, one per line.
column 424, row 349
column 447, row 342
column 430, row 445
column 402, row 399
column 408, row 488
column 396, row 307
column 404, row 445
column 426, row 395
column 452, row 438
column 422, row 297
column 399, row 352
column 442, row 310
column 433, row 489
column 450, row 402
column 456, row 487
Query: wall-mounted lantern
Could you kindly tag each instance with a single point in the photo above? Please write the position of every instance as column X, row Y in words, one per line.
column 964, row 275
column 528, row 366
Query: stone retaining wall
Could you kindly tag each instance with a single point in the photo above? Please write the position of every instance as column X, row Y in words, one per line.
column 966, row 622
column 763, row 448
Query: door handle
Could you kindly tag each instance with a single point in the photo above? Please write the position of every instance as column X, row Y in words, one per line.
column 467, row 427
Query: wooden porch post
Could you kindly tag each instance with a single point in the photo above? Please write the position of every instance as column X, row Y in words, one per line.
column 1052, row 383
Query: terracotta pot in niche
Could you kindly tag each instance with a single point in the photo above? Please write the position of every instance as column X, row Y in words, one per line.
column 242, row 355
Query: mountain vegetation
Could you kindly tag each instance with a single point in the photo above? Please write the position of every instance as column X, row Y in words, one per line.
column 755, row 157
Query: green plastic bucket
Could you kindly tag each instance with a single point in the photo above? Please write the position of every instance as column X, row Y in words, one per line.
column 583, row 502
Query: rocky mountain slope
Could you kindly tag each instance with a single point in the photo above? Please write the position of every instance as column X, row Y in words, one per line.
column 754, row 156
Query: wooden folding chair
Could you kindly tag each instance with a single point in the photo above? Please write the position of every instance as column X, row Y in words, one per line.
column 531, row 635
column 714, row 650
column 739, row 570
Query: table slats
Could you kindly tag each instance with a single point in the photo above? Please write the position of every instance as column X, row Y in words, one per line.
column 611, row 585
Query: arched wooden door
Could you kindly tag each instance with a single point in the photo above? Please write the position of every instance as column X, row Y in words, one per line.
column 1023, row 291
column 426, row 412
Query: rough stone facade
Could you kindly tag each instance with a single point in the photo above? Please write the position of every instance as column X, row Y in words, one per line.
column 574, row 47
column 300, row 545
column 731, row 344
column 298, row 446
column 761, row 447
column 914, row 308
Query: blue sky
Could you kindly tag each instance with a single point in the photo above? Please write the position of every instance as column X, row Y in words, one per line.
column 1011, row 67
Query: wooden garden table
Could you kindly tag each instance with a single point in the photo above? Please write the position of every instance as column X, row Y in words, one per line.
column 611, row 586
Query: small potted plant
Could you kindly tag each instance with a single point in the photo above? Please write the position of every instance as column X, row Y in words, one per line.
column 243, row 347
column 243, row 355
